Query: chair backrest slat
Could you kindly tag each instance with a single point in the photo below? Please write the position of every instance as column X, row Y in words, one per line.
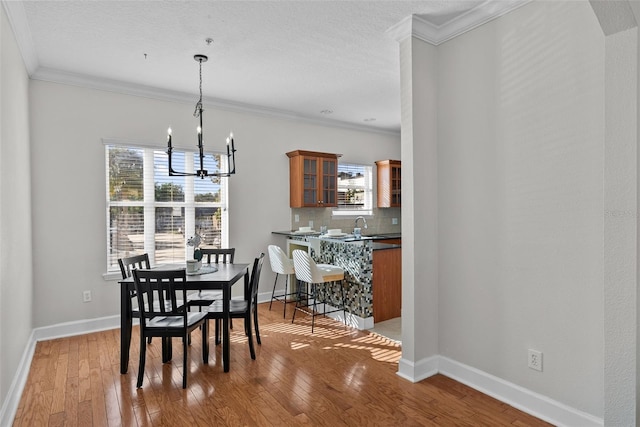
column 219, row 256
column 130, row 263
column 157, row 292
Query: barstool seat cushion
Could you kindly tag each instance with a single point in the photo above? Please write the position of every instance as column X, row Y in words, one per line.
column 330, row 273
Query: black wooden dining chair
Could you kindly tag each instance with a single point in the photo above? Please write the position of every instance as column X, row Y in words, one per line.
column 161, row 315
column 242, row 309
column 127, row 265
column 203, row 298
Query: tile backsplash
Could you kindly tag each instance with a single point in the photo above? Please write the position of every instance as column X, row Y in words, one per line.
column 380, row 222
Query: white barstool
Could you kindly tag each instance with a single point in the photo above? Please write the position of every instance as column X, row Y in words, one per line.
column 281, row 264
column 309, row 272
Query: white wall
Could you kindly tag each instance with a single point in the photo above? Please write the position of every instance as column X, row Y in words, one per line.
column 69, row 182
column 520, row 162
column 15, row 210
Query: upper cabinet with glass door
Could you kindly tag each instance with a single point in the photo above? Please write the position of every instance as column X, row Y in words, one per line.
column 313, row 179
column 389, row 183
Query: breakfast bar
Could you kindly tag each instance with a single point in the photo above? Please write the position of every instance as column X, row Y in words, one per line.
column 366, row 273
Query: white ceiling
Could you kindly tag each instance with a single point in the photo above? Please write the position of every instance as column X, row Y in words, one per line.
column 291, row 58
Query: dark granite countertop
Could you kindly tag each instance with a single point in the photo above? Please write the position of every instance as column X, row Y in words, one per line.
column 295, row 233
column 377, row 240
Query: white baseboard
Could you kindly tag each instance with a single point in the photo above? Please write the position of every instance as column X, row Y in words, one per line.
column 415, row 372
column 521, row 398
column 11, row 402
column 10, row 405
column 80, row 327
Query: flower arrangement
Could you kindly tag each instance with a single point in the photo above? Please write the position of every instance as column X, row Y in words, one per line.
column 195, row 242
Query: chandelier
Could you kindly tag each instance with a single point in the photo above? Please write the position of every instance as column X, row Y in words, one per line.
column 231, row 150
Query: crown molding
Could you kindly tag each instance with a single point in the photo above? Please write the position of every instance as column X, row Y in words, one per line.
column 418, row 27
column 18, row 20
column 116, row 86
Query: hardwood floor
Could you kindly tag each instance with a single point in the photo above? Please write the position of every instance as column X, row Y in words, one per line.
column 337, row 376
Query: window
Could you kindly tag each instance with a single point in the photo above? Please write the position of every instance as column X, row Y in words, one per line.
column 354, row 189
column 149, row 211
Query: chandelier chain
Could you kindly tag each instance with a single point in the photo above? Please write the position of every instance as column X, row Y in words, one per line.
column 198, row 110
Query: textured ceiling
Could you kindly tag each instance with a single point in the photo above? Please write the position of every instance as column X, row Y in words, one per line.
column 295, row 58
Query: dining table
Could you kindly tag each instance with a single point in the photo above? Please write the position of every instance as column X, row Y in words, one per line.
column 217, row 276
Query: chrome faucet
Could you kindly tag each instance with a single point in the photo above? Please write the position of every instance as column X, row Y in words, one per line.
column 363, row 220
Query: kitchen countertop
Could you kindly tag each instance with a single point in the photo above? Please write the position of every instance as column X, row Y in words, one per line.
column 377, row 240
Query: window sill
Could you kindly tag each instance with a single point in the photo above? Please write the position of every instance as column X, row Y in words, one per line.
column 112, row 276
column 352, row 214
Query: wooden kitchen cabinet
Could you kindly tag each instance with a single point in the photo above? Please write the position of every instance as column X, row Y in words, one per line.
column 387, row 284
column 313, row 179
column 389, row 183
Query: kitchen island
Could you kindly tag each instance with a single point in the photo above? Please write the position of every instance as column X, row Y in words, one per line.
column 372, row 268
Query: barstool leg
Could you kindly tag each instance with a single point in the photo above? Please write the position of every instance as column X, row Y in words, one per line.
column 286, row 290
column 297, row 303
column 273, row 292
column 344, row 302
column 315, row 299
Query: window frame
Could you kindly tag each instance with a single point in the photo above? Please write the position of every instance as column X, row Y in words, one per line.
column 367, row 210
column 149, row 205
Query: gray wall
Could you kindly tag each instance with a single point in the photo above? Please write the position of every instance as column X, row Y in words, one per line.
column 15, row 210
column 67, row 126
column 521, row 200
column 520, row 261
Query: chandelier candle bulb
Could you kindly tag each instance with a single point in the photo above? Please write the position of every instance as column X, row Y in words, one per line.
column 169, row 138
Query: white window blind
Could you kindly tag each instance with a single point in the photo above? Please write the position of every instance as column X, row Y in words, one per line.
column 149, row 211
column 355, row 193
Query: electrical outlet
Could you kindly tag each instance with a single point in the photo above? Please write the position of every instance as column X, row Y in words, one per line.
column 311, row 224
column 86, row 296
column 394, row 221
column 296, row 218
column 535, row 360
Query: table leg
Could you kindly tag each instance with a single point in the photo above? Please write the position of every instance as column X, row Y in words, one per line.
column 226, row 296
column 126, row 322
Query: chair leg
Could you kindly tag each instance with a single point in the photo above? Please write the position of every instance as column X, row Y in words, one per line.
column 273, row 292
column 185, row 345
column 217, row 332
column 167, row 349
column 252, row 350
column 255, row 323
column 143, row 357
column 205, row 342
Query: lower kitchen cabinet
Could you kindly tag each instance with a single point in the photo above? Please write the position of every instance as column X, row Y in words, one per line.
column 387, row 284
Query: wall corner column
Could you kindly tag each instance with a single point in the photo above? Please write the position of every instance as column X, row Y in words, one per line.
column 418, row 82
